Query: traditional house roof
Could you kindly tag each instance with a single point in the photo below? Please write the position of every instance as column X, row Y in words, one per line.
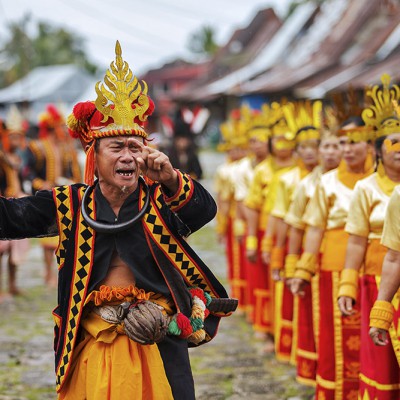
column 345, row 39
column 43, row 85
column 239, row 57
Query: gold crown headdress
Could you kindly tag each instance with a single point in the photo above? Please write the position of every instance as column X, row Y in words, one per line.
column 304, row 119
column 233, row 132
column 346, row 105
column 257, row 122
column 120, row 109
column 381, row 116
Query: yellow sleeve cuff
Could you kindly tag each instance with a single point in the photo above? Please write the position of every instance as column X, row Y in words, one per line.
column 348, row 286
column 290, row 265
column 306, row 267
column 381, row 315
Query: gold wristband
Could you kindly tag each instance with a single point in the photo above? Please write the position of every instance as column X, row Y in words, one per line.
column 348, row 286
column 251, row 242
column 302, row 274
column 290, row 265
column 277, row 257
column 308, row 262
column 266, row 244
column 381, row 315
column 347, row 290
column 239, row 227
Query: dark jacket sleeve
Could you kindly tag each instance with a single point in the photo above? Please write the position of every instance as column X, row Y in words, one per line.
column 193, row 206
column 31, row 216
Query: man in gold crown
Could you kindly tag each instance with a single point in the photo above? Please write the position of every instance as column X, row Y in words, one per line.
column 132, row 293
column 51, row 160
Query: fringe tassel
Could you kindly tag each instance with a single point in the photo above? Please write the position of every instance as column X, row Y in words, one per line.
column 89, row 166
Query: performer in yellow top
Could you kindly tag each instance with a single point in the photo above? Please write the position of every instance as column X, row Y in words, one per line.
column 379, row 370
column 384, row 319
column 235, row 146
column 330, row 153
column 326, row 213
column 304, row 121
column 258, row 208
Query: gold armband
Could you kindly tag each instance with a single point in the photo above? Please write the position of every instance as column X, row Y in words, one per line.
column 348, row 286
column 381, row 315
column 306, row 267
column 266, row 244
column 277, row 257
column 251, row 242
column 290, row 265
column 222, row 224
column 239, row 227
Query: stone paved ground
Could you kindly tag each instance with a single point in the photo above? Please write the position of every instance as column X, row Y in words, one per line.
column 230, row 367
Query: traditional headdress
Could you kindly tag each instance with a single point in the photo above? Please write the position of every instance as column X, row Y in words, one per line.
column 381, row 116
column 121, row 109
column 16, row 124
column 257, row 122
column 52, row 118
column 233, row 132
column 304, row 119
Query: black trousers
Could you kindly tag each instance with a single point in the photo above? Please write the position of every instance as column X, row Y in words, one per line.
column 175, row 355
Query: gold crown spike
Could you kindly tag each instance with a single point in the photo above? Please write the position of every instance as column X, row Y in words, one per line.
column 123, row 90
column 304, row 115
column 257, row 122
column 381, row 115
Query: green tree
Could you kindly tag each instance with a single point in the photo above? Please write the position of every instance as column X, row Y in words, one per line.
column 51, row 45
column 294, row 4
column 202, row 42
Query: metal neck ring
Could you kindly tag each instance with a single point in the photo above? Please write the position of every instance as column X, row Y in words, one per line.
column 102, row 227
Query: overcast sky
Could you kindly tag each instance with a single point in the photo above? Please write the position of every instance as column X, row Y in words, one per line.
column 151, row 32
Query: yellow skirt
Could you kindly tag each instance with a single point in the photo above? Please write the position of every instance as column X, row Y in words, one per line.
column 108, row 365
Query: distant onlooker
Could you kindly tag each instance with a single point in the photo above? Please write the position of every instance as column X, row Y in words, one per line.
column 183, row 152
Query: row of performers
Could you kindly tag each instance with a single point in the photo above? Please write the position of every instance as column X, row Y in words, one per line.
column 30, row 165
column 303, row 197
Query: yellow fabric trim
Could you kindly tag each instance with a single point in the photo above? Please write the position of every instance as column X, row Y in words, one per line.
column 306, row 382
column 278, row 294
column 80, row 280
column 377, row 385
column 295, row 331
column 339, row 361
column 309, row 355
column 331, row 385
column 315, row 308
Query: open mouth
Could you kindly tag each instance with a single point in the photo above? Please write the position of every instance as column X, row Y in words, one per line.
column 125, row 172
